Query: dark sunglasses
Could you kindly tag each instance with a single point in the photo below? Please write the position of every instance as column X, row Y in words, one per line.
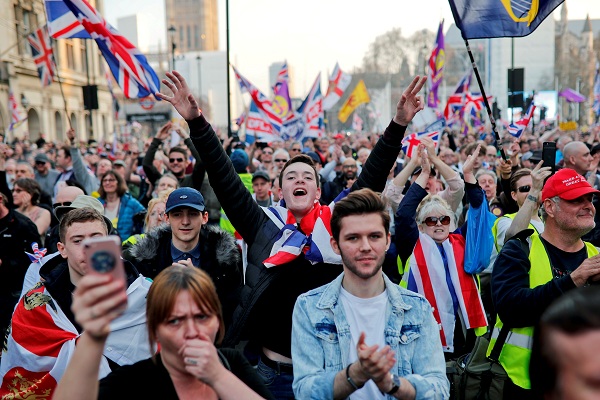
column 280, row 160
column 524, row 189
column 40, row 163
column 63, row 204
column 172, row 160
column 432, row 221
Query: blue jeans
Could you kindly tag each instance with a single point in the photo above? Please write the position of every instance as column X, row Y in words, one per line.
column 278, row 382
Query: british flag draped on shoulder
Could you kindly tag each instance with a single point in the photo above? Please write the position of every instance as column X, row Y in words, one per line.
column 42, row 340
column 128, row 65
column 313, row 241
column 426, row 275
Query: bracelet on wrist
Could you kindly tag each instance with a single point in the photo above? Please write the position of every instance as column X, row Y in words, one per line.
column 349, row 379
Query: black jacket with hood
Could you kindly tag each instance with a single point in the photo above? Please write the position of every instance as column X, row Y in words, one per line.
column 219, row 258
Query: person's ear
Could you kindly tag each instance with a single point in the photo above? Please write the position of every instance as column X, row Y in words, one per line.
column 61, row 249
column 513, row 195
column 334, row 246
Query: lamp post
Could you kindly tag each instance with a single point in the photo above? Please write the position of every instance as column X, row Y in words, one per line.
column 172, row 31
column 199, row 61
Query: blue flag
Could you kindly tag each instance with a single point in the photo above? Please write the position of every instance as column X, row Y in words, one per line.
column 478, row 19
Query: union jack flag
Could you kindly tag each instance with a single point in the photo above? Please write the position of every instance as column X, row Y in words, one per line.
column 41, row 48
column 464, row 83
column 519, row 127
column 15, row 115
column 38, row 253
column 411, row 142
column 261, row 101
column 282, row 76
column 127, row 64
column 62, row 24
column 241, row 119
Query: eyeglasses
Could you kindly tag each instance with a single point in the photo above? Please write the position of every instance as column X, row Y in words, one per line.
column 40, row 163
column 63, row 204
column 432, row 221
column 108, row 180
column 281, row 160
column 172, row 160
column 524, row 189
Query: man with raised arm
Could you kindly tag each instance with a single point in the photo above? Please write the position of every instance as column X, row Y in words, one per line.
column 289, row 252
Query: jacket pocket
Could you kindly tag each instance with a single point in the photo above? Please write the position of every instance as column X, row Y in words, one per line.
column 407, row 345
column 327, row 334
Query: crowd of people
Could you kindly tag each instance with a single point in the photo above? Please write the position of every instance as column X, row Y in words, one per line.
column 329, row 268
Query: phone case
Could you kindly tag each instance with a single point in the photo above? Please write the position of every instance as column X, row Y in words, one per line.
column 103, row 256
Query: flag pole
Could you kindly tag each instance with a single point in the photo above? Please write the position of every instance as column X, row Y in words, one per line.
column 62, row 93
column 485, row 101
column 53, row 42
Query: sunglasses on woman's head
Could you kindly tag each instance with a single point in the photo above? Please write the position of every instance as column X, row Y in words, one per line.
column 432, row 221
column 524, row 189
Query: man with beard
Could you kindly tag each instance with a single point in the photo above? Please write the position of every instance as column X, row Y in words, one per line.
column 332, row 324
column 344, row 180
column 532, row 270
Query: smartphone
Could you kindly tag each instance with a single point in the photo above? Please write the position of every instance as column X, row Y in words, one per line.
column 103, row 256
column 549, row 155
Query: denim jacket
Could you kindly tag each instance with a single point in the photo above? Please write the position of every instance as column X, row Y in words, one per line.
column 321, row 342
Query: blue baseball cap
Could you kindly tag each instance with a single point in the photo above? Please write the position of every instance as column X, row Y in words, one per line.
column 185, row 197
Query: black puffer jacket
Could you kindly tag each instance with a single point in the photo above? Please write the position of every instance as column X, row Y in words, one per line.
column 219, row 257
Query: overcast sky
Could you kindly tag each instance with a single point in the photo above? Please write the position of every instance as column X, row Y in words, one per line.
column 311, row 34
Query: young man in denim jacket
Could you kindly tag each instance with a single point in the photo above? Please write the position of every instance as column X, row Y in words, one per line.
column 333, row 324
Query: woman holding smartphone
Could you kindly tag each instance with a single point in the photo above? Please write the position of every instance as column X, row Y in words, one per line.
column 184, row 318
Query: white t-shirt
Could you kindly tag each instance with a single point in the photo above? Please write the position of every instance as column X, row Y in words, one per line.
column 368, row 316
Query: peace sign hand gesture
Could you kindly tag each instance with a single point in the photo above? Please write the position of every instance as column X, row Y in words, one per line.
column 182, row 98
column 410, row 103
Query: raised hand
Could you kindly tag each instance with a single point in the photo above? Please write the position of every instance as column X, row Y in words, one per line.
column 164, row 131
column 97, row 301
column 182, row 98
column 71, row 135
column 468, row 165
column 410, row 103
column 538, row 177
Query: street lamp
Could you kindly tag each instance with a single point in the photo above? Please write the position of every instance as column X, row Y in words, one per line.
column 172, row 31
column 199, row 59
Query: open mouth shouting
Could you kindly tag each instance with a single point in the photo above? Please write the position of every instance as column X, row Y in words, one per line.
column 300, row 192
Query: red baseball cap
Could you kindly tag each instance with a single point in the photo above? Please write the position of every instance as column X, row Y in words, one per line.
column 338, row 136
column 567, row 184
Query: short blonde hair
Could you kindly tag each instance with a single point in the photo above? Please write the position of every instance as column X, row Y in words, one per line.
column 162, row 198
column 431, row 203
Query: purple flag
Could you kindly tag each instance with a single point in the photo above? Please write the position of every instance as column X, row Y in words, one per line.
column 436, row 66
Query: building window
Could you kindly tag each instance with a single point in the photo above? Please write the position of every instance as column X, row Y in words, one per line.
column 83, row 52
column 189, row 37
column 197, row 37
column 70, row 52
column 181, row 37
column 25, row 23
